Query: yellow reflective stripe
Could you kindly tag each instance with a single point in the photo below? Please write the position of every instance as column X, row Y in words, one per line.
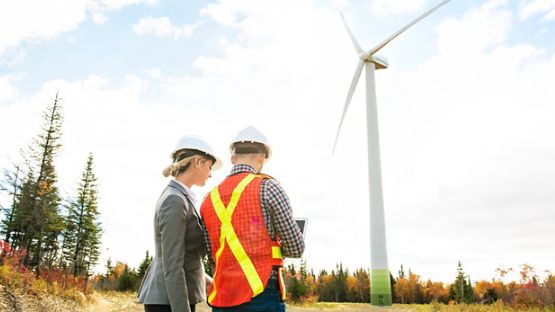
column 227, row 233
column 276, row 252
column 237, row 194
column 218, row 254
column 245, row 262
column 282, row 284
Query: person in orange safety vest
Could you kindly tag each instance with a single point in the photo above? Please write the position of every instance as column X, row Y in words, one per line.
column 249, row 229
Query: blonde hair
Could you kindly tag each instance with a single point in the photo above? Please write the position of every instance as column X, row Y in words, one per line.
column 181, row 161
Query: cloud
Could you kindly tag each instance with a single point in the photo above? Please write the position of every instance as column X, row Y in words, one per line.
column 34, row 21
column 531, row 8
column 99, row 8
column 479, row 29
column 396, row 7
column 118, row 4
column 162, row 27
column 8, row 92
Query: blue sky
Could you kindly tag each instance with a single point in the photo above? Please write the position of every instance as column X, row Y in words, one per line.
column 466, row 116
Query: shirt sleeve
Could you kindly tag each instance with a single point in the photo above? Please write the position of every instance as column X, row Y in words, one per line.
column 208, row 245
column 277, row 204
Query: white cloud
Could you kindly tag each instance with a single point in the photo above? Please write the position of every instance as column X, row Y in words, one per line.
column 396, row 7
column 161, row 27
column 38, row 20
column 8, row 92
column 531, row 8
column 118, row 4
column 480, row 28
column 34, row 21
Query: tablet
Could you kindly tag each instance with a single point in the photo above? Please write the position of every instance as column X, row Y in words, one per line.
column 301, row 223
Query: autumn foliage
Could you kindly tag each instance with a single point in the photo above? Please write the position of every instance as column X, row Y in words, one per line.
column 22, row 280
column 340, row 285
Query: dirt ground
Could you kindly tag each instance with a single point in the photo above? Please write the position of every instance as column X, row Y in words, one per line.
column 127, row 303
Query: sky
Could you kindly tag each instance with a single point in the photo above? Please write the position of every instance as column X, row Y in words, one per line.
column 466, row 117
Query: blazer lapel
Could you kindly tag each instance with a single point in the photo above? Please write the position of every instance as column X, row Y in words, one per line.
column 179, row 187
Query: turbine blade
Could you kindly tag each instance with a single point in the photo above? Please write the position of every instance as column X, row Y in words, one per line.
column 386, row 41
column 352, row 88
column 353, row 40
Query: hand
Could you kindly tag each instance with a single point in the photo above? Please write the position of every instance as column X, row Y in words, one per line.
column 208, row 281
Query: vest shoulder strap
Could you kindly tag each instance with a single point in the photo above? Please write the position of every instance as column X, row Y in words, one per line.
column 266, row 176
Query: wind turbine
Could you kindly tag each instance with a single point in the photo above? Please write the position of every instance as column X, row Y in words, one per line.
column 380, row 289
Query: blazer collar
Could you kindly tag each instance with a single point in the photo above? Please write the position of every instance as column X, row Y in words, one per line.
column 180, row 188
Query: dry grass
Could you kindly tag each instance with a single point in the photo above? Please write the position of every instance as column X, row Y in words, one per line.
column 127, row 302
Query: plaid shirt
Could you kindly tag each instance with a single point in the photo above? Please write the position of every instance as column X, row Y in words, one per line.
column 278, row 216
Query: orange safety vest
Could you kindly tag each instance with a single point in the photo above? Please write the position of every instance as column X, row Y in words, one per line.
column 243, row 252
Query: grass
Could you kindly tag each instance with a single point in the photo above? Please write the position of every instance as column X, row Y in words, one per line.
column 434, row 307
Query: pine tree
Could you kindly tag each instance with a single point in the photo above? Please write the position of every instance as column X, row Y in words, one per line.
column 392, row 285
column 143, row 267
column 460, row 290
column 12, row 185
column 127, row 280
column 39, row 214
column 109, row 268
column 339, row 283
column 468, row 292
column 302, row 269
column 401, row 272
column 22, row 214
column 82, row 234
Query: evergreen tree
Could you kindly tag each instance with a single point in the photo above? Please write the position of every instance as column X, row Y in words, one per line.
column 12, row 185
column 82, row 234
column 392, row 285
column 109, row 268
column 302, row 269
column 401, row 272
column 38, row 208
column 468, row 292
column 22, row 215
column 143, row 267
column 291, row 269
column 339, row 283
column 460, row 290
column 127, row 280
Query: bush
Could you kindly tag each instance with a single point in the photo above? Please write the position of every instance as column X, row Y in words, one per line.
column 51, row 282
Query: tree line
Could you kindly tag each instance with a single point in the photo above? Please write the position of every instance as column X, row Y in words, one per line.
column 340, row 285
column 50, row 231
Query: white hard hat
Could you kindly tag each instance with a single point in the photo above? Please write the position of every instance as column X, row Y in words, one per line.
column 251, row 134
column 197, row 143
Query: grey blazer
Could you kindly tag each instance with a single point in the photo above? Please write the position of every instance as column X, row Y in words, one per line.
column 176, row 274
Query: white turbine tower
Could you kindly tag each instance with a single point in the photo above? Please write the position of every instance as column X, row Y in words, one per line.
column 379, row 276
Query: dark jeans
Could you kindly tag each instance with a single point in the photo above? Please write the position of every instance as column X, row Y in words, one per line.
column 268, row 301
column 162, row 308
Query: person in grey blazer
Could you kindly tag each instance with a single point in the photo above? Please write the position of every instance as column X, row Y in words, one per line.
column 175, row 280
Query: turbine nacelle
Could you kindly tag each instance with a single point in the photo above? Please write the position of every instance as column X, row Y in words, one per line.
column 379, row 61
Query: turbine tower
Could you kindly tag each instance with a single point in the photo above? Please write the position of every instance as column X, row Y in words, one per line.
column 380, row 289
